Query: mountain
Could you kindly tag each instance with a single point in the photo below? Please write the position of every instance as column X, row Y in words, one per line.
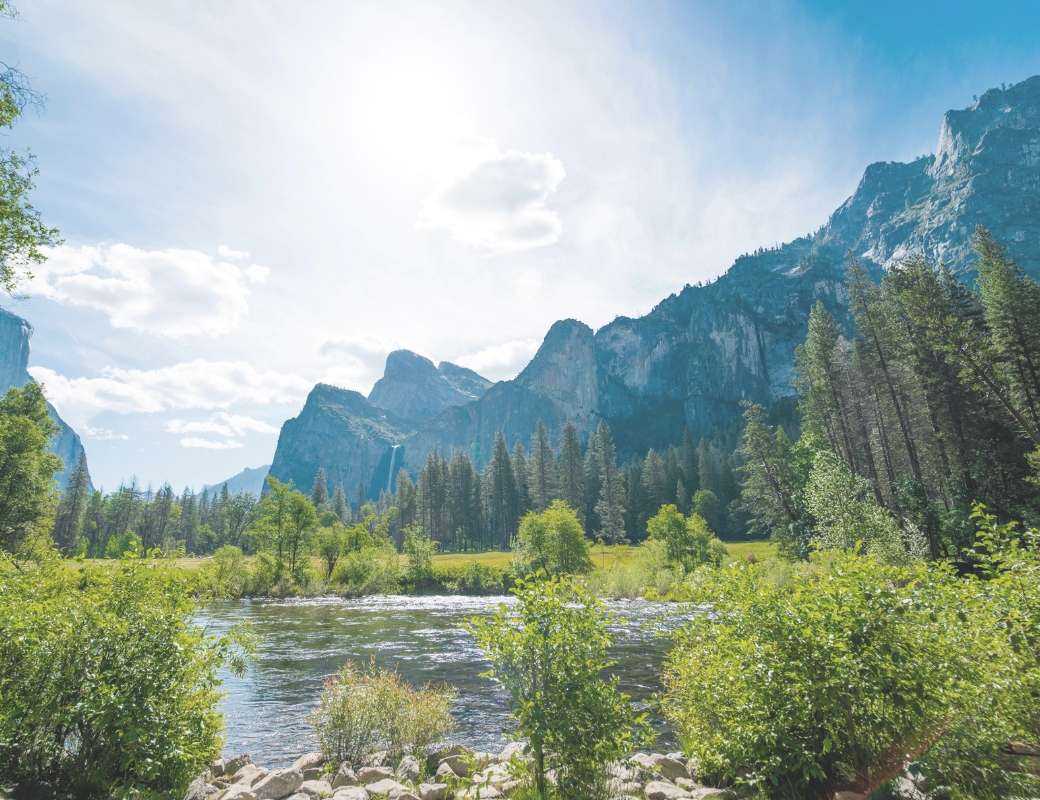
column 15, row 336
column 414, row 389
column 698, row 353
column 248, row 481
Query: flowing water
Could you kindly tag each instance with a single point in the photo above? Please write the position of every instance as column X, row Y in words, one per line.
column 303, row 642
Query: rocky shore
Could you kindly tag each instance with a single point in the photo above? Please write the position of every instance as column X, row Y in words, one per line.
column 454, row 772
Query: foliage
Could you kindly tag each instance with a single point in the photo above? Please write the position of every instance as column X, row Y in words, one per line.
column 833, row 673
column 552, row 542
column 689, row 543
column 26, row 468
column 369, row 570
column 550, row 653
column 471, row 578
column 364, row 708
column 419, row 550
column 104, row 676
column 284, row 518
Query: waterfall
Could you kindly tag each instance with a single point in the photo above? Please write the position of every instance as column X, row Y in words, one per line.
column 390, row 478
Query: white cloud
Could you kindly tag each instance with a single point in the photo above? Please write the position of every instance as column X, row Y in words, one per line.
column 103, row 433
column 193, row 384
column 172, row 293
column 501, row 361
column 222, row 424
column 226, row 252
column 498, row 206
column 191, row 441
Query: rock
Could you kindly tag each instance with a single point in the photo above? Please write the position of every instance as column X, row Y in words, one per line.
column 235, row 764
column 706, row 791
column 344, row 777
column 686, row 783
column 367, row 775
column 309, row 761
column 316, row 788
column 433, row 791
column 378, row 759
column 459, row 765
column 670, row 767
column 409, row 770
column 484, row 793
column 415, row 390
column 679, row 757
column 217, row 768
column 350, row 793
column 445, row 772
column 386, row 786
column 198, row 789
column 621, row 788
column 1021, row 749
column 278, row 783
column 511, row 749
column 238, row 791
column 510, row 787
column 660, row 790
column 849, row 796
column 643, row 761
column 299, row 796
column 250, row 774
column 313, row 774
column 407, row 796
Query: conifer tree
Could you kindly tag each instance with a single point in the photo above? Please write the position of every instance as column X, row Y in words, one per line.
column 339, row 503
column 706, row 472
column 654, row 484
column 592, row 468
column 572, row 475
column 542, row 478
column 320, row 491
column 69, row 516
column 690, row 456
column 610, row 508
column 523, row 490
column 501, row 486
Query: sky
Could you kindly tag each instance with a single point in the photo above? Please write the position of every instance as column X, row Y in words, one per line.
column 256, row 196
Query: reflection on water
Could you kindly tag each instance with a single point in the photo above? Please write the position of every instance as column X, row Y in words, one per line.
column 303, row 642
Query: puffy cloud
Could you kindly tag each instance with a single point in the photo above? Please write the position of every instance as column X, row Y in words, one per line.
column 192, row 441
column 226, row 252
column 498, row 206
column 222, row 424
column 194, row 384
column 172, row 293
column 501, row 361
column 103, row 433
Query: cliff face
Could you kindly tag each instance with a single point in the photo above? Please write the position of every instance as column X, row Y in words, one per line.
column 15, row 335
column 414, row 389
column 700, row 352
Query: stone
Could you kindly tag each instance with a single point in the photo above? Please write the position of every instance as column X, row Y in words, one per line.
column 344, row 777
column 250, row 774
column 686, row 783
column 511, row 749
column 618, row 788
column 238, row 791
column 445, row 772
column 643, row 761
column 314, row 788
column 484, row 793
column 509, row 787
column 670, row 767
column 707, row 791
column 233, row 765
column 386, row 786
column 299, row 796
column 849, row 796
column 217, row 768
column 459, row 765
column 661, row 790
column 309, row 761
column 199, row 789
column 350, row 793
column 278, row 783
column 407, row 796
column 433, row 791
column 367, row 775
column 679, row 757
column 1021, row 749
column 313, row 774
column 409, row 770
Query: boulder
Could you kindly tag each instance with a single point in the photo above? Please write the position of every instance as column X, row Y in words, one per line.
column 367, row 775
column 278, row 783
column 392, row 789
column 619, row 788
column 378, row 759
column 687, row 783
column 299, row 796
column 235, row 764
column 250, row 774
column 409, row 770
column 407, row 796
column 344, row 777
column 717, row 794
column 309, row 761
column 315, row 788
column 198, row 789
column 481, row 793
column 511, row 749
column 238, row 791
column 660, row 790
column 1023, row 749
column 350, row 793
column 217, row 768
column 509, row 787
column 643, row 761
column 849, row 796
column 445, row 772
column 451, row 750
column 670, row 767
column 457, row 764
column 433, row 791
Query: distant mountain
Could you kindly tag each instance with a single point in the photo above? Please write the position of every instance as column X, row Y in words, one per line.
column 248, row 481
column 15, row 337
column 414, row 389
column 697, row 354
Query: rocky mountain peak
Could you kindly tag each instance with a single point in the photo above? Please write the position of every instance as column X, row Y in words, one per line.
column 564, row 368
column 413, row 388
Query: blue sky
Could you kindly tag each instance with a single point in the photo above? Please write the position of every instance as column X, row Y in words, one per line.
column 257, row 196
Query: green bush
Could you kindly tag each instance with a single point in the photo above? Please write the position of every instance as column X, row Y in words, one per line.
column 550, row 653
column 363, row 709
column 472, row 578
column 104, row 678
column 371, row 570
column 552, row 542
column 689, row 543
column 799, row 685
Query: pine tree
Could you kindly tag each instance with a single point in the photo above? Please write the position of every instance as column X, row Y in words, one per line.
column 69, row 516
column 592, row 469
column 320, row 491
column 361, row 497
column 706, row 472
column 542, row 477
column 339, row 503
column 523, row 491
column 655, row 489
column 501, row 486
column 690, row 456
column 572, row 476
column 610, row 508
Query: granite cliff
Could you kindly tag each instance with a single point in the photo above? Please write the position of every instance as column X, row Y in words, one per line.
column 15, row 336
column 698, row 353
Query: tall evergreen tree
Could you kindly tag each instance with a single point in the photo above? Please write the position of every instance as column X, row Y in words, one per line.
column 320, row 491
column 690, row 456
column 69, row 516
column 542, row 477
column 523, row 490
column 592, row 467
column 708, row 477
column 339, row 503
column 572, row 475
column 610, row 508
column 502, row 493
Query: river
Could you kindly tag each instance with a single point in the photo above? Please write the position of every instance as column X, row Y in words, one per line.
column 304, row 641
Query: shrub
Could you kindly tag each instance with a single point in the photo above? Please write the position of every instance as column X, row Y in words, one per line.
column 828, row 675
column 472, row 578
column 550, row 653
column 365, row 708
column 104, row 678
column 228, row 574
column 689, row 543
column 419, row 550
column 552, row 542
column 371, row 570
